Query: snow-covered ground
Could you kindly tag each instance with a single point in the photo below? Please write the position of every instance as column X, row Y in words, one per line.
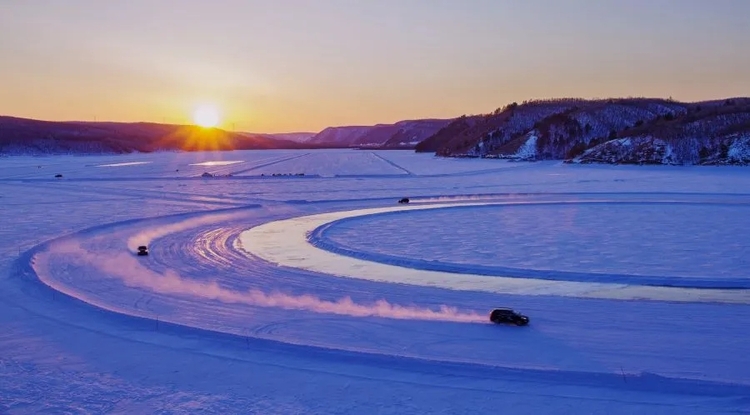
column 319, row 294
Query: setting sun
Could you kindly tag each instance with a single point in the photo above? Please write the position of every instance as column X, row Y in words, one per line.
column 206, row 116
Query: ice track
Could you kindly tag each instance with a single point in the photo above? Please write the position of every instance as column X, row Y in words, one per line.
column 197, row 277
column 283, row 243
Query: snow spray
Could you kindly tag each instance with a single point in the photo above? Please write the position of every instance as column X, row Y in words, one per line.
column 132, row 273
column 145, row 237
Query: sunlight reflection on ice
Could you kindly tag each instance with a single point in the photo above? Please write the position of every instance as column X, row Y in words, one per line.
column 217, row 163
column 129, row 163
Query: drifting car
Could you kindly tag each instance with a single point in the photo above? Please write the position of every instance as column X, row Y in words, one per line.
column 509, row 316
column 404, row 200
column 142, row 250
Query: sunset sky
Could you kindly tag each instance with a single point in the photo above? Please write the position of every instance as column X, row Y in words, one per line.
column 303, row 65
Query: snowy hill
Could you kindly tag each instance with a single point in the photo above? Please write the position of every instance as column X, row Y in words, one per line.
column 718, row 134
column 295, row 137
column 455, row 130
column 27, row 136
column 340, row 136
column 411, row 133
column 403, row 134
column 632, row 130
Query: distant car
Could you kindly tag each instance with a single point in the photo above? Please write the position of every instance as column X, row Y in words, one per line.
column 142, row 250
column 404, row 200
column 58, row 176
column 508, row 315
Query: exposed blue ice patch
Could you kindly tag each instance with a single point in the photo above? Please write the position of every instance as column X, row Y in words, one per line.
column 676, row 244
column 124, row 164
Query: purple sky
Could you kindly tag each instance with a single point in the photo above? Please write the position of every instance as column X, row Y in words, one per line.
column 302, row 65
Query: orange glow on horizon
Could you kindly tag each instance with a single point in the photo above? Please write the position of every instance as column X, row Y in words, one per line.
column 198, row 138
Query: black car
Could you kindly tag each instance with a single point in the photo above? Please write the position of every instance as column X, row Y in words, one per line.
column 508, row 315
column 404, row 200
column 142, row 250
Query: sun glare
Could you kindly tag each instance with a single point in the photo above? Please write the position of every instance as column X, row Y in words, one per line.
column 206, row 116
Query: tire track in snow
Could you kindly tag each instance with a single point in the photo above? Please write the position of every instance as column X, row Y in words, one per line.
column 260, row 166
column 394, row 164
column 127, row 268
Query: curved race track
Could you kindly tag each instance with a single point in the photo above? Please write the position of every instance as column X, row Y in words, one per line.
column 289, row 291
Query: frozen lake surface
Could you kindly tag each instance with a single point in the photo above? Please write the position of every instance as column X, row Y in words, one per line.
column 292, row 282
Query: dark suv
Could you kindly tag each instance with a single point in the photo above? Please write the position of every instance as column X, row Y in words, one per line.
column 507, row 315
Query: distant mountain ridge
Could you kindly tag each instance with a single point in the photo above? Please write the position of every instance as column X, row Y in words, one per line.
column 403, row 134
column 28, row 136
column 295, row 137
column 616, row 131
